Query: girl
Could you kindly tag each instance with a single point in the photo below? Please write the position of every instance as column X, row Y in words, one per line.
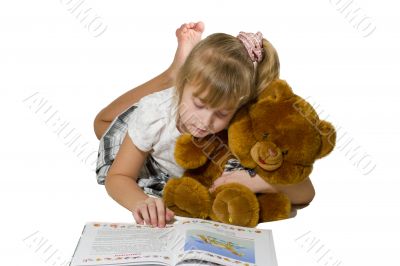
column 213, row 78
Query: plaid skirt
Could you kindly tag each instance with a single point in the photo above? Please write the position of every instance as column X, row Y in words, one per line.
column 151, row 178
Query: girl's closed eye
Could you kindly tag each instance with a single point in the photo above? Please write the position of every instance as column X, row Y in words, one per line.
column 222, row 114
column 198, row 104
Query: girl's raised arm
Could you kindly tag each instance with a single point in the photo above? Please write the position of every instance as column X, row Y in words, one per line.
column 188, row 35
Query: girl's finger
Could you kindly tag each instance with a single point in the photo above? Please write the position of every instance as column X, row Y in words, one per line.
column 151, row 206
column 169, row 214
column 145, row 214
column 137, row 217
column 160, row 213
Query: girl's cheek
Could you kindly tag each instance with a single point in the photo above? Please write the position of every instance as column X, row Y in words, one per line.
column 222, row 125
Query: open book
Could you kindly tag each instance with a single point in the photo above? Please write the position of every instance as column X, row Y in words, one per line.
column 187, row 242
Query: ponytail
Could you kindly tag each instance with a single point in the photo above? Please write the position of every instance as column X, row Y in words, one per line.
column 268, row 69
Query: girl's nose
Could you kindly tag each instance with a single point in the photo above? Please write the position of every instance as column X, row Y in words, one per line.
column 206, row 119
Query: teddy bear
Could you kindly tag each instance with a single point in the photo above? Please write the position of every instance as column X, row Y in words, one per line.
column 279, row 135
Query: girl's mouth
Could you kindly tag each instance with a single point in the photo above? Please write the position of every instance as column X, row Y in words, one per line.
column 202, row 131
column 199, row 131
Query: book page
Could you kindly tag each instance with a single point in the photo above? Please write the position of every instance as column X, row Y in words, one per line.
column 222, row 244
column 122, row 243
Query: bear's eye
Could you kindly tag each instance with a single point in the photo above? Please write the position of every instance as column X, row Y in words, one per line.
column 265, row 135
column 285, row 152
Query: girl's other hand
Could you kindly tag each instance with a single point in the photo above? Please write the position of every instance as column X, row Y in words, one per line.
column 152, row 211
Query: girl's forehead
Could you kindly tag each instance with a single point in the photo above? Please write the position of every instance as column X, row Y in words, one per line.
column 214, row 97
column 222, row 106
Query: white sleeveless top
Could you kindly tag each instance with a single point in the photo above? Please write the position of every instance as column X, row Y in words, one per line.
column 152, row 128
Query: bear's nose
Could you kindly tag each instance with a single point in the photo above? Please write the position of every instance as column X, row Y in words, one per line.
column 272, row 152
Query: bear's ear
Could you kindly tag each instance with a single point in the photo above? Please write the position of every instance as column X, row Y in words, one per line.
column 328, row 138
column 278, row 90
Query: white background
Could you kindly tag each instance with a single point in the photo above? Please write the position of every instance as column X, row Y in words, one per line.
column 48, row 191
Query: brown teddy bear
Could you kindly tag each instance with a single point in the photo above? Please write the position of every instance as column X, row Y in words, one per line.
column 279, row 135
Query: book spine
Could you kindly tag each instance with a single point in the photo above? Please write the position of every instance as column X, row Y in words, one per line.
column 80, row 238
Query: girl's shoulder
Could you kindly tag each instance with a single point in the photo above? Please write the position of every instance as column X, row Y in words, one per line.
column 158, row 101
column 157, row 106
column 151, row 122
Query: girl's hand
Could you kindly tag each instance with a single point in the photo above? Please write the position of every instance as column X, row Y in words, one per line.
column 255, row 184
column 152, row 211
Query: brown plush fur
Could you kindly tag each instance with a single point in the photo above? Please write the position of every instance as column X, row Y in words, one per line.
column 279, row 135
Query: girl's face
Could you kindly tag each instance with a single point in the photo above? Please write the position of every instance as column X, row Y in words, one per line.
column 197, row 118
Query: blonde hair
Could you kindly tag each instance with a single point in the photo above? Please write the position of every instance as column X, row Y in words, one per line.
column 269, row 68
column 221, row 66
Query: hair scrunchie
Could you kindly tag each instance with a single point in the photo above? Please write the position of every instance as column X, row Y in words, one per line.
column 253, row 44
